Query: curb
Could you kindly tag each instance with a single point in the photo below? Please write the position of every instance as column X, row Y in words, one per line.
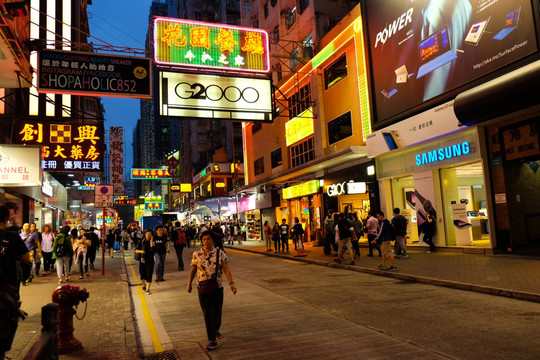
column 520, row 295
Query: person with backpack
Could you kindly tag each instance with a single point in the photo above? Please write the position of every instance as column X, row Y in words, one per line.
column 298, row 234
column 399, row 222
column 178, row 236
column 62, row 252
column 344, row 233
column 384, row 238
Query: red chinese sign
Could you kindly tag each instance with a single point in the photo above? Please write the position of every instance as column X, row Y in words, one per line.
column 116, row 146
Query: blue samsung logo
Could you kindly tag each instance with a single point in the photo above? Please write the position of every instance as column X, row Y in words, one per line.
column 444, row 153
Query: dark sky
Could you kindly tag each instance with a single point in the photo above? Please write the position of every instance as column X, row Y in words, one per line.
column 121, row 23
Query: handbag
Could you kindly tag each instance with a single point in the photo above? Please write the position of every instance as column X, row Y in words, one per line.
column 210, row 286
column 137, row 256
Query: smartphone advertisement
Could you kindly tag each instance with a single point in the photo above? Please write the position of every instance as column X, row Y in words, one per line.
column 421, row 49
column 462, row 227
column 423, row 199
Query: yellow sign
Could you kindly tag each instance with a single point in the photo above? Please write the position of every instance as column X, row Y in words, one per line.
column 307, row 188
column 299, row 127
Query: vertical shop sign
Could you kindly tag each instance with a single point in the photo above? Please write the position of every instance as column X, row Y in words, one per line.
column 116, row 143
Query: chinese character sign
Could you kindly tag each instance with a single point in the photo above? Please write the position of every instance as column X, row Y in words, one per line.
column 186, row 43
column 116, row 146
column 153, row 206
column 144, row 174
column 65, row 146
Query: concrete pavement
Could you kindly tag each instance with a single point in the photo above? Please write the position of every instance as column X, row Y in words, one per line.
column 119, row 317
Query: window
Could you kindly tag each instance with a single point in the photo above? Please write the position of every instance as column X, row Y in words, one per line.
column 335, row 72
column 302, row 153
column 290, row 18
column 275, row 34
column 279, row 72
column 299, row 101
column 258, row 166
column 307, row 47
column 256, row 24
column 275, row 157
column 273, row 3
column 302, row 5
column 246, row 7
column 266, row 11
column 340, row 128
column 294, row 57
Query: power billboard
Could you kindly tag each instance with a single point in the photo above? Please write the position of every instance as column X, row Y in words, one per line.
column 422, row 50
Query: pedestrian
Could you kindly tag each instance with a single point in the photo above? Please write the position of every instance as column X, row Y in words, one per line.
column 209, row 264
column 74, row 235
column 137, row 235
column 284, row 230
column 92, row 248
column 110, row 240
column 12, row 249
column 161, row 251
column 39, row 254
column 81, row 247
column 268, row 235
column 31, row 241
column 145, row 247
column 298, row 232
column 384, row 239
column 329, row 235
column 178, row 237
column 47, row 240
column 357, row 226
column 275, row 236
column 429, row 230
column 372, row 226
column 399, row 222
column 125, row 239
column 344, row 233
column 62, row 253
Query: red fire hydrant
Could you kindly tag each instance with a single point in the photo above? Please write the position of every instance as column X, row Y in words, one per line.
column 67, row 296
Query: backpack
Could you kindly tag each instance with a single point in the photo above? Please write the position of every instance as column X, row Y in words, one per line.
column 344, row 229
column 180, row 237
column 61, row 248
column 298, row 229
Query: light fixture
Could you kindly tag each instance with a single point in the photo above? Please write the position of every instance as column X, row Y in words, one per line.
column 371, row 170
column 71, row 175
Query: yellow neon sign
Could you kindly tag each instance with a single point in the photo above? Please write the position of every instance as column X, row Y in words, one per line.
column 299, row 127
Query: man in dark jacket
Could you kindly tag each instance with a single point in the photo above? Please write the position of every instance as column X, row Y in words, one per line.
column 399, row 222
column 384, row 238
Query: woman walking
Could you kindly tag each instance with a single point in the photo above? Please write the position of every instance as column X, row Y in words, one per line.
column 62, row 253
column 209, row 264
column 146, row 265
column 110, row 240
column 268, row 235
column 81, row 247
column 275, row 236
column 47, row 240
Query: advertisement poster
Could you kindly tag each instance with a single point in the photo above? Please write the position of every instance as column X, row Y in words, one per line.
column 462, row 227
column 424, row 205
column 421, row 49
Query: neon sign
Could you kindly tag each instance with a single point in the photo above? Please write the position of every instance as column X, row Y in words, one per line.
column 307, row 188
column 65, row 146
column 186, row 43
column 443, row 153
column 142, row 174
column 299, row 127
column 153, row 206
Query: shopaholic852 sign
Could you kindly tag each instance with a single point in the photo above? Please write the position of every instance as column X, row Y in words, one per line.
column 192, row 44
column 68, row 72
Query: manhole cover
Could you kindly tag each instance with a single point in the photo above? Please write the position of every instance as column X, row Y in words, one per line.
column 278, row 281
column 167, row 355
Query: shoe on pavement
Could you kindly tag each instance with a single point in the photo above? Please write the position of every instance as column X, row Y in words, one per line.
column 382, row 267
column 219, row 336
column 148, row 292
column 351, row 263
column 211, row 345
column 392, row 268
column 81, row 277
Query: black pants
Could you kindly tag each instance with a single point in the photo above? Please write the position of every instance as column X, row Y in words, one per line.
column 284, row 242
column 48, row 262
column 179, row 250
column 146, row 270
column 91, row 254
column 82, row 264
column 370, row 238
column 356, row 249
column 428, row 239
column 212, row 306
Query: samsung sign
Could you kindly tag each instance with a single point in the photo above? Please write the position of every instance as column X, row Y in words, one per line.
column 443, row 153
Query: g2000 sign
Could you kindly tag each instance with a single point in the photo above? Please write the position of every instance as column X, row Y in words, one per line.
column 198, row 91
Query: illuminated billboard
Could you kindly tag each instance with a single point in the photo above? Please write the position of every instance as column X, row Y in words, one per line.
column 66, row 146
column 89, row 74
column 424, row 52
column 144, row 174
column 303, row 189
column 192, row 44
column 215, row 97
column 299, row 127
column 153, row 206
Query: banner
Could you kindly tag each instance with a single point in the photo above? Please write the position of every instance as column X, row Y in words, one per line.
column 116, row 145
column 19, row 166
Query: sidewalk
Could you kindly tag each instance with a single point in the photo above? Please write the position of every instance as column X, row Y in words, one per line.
column 512, row 276
column 107, row 329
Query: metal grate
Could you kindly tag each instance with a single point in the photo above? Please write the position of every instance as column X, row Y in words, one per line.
column 406, row 282
column 166, row 355
column 278, row 281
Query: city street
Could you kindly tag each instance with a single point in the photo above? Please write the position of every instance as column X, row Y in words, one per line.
column 294, row 310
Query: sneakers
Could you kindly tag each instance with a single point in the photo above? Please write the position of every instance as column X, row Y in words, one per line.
column 404, row 256
column 382, row 267
column 148, row 292
column 81, row 277
column 211, row 345
column 392, row 268
column 219, row 336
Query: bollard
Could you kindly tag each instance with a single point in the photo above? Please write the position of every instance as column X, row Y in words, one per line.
column 67, row 296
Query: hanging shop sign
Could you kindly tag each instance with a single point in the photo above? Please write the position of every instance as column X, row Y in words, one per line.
column 143, row 174
column 182, row 188
column 346, row 188
column 89, row 74
column 66, row 146
column 304, row 189
column 19, row 166
column 153, row 206
column 200, row 45
column 521, row 140
column 299, row 127
column 214, row 97
column 116, row 163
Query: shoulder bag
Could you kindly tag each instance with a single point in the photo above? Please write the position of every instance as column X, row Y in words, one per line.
column 210, row 286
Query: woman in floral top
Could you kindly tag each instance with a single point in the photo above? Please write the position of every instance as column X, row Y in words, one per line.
column 203, row 265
